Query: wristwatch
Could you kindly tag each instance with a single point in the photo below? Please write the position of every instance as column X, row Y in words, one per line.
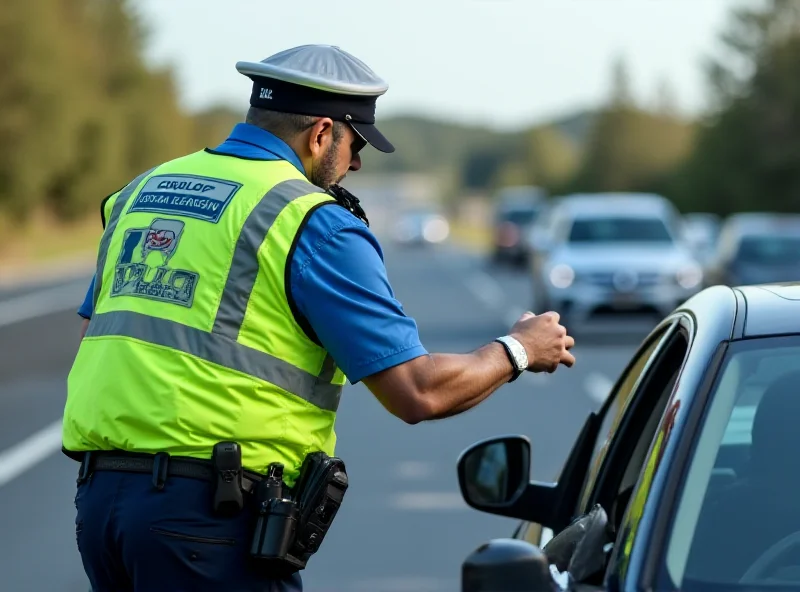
column 516, row 353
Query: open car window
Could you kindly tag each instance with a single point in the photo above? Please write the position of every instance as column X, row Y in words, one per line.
column 619, row 401
column 628, row 417
column 629, row 450
column 739, row 499
column 612, row 412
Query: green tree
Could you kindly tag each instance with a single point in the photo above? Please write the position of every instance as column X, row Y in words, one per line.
column 621, row 91
column 45, row 102
column 552, row 158
column 748, row 153
column 80, row 111
column 630, row 149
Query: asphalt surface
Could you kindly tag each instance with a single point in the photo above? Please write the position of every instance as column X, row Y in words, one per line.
column 404, row 525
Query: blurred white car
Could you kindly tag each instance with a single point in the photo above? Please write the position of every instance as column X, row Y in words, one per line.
column 600, row 253
column 757, row 248
column 701, row 231
column 421, row 227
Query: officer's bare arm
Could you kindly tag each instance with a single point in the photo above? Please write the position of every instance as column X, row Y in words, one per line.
column 84, row 327
column 440, row 385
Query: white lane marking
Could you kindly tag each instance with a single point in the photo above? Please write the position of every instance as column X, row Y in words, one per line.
column 597, row 387
column 40, row 303
column 421, row 501
column 485, row 288
column 413, row 469
column 31, row 451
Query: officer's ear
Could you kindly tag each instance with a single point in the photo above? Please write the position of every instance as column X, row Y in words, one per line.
column 321, row 137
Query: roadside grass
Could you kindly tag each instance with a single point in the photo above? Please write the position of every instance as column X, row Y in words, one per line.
column 473, row 237
column 44, row 246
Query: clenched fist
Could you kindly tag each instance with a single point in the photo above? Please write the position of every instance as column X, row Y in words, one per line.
column 545, row 340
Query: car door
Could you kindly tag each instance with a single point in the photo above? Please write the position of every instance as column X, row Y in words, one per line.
column 623, row 455
column 612, row 413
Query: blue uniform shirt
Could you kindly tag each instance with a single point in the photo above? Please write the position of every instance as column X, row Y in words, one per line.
column 338, row 277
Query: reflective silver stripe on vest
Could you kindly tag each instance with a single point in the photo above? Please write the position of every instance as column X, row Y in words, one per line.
column 111, row 224
column 220, row 350
column 328, row 370
column 244, row 265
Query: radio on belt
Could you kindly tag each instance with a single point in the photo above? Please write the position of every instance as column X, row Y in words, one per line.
column 292, row 525
column 226, row 459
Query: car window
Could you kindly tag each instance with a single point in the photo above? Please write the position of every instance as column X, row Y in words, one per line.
column 768, row 249
column 619, row 229
column 639, row 452
column 739, row 497
column 614, row 410
column 630, row 443
column 522, row 217
column 625, row 454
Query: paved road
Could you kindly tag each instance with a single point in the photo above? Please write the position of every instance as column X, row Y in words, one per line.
column 404, row 525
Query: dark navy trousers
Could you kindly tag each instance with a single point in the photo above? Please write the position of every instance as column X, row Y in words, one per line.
column 135, row 538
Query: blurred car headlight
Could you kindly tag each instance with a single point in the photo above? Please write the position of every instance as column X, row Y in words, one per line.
column 436, row 230
column 562, row 276
column 689, row 277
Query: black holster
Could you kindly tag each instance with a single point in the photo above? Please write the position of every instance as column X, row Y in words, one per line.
column 292, row 525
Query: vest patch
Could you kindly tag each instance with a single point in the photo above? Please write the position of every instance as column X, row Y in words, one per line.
column 203, row 198
column 142, row 267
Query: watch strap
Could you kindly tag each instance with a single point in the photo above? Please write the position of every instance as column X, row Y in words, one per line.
column 512, row 359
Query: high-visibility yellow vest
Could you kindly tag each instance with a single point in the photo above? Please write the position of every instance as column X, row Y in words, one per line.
column 193, row 338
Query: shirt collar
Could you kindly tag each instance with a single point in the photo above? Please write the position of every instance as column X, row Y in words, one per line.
column 246, row 137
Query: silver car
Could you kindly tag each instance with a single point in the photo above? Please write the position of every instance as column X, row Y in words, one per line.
column 756, row 248
column 601, row 253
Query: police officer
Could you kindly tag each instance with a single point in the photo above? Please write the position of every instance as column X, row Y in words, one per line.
column 237, row 288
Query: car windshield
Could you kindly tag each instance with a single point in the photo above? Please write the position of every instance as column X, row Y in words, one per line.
column 521, row 217
column 619, row 229
column 769, row 249
column 738, row 516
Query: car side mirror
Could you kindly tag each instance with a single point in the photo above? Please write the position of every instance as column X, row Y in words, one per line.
column 507, row 565
column 504, row 487
column 494, row 473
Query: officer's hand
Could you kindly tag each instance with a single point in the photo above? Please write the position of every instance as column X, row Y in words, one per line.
column 545, row 340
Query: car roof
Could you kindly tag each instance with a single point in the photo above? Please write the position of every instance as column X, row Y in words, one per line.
column 520, row 195
column 771, row 309
column 602, row 204
column 702, row 219
column 762, row 223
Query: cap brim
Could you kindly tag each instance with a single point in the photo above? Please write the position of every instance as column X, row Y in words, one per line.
column 371, row 135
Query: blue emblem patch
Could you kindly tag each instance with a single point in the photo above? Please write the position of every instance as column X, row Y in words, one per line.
column 142, row 267
column 203, row 198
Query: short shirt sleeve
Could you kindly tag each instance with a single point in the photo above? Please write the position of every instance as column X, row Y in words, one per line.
column 340, row 285
column 87, row 308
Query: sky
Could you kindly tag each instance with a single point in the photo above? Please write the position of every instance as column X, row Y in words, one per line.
column 500, row 63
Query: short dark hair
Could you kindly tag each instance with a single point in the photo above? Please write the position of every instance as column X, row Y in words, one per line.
column 287, row 125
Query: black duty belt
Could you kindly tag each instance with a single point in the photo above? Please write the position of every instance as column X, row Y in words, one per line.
column 160, row 465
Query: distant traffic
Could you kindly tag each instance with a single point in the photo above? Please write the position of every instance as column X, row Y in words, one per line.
column 593, row 255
